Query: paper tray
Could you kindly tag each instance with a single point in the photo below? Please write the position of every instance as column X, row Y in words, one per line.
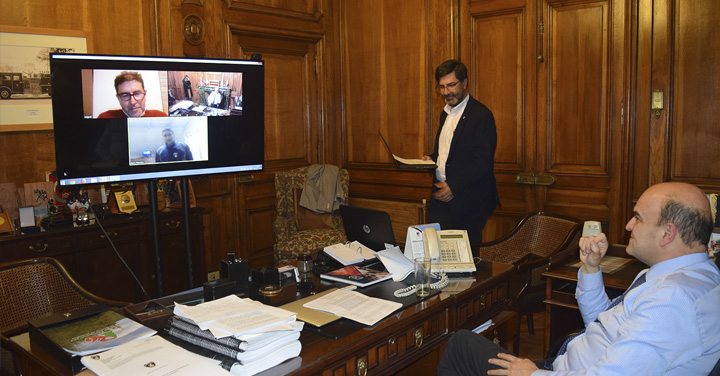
column 47, row 345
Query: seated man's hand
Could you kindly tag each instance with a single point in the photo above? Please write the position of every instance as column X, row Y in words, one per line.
column 443, row 193
column 592, row 251
column 512, row 365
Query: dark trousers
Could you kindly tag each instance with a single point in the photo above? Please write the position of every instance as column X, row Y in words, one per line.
column 467, row 353
column 439, row 212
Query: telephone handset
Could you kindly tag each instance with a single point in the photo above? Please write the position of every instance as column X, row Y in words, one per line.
column 449, row 250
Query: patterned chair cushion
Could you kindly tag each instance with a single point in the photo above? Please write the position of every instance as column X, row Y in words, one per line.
column 289, row 241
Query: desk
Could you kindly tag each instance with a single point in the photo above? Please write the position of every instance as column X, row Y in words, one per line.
column 562, row 315
column 411, row 341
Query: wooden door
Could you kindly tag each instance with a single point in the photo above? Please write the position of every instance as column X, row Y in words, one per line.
column 552, row 73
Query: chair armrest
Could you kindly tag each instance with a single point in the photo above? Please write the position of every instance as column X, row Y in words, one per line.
column 282, row 228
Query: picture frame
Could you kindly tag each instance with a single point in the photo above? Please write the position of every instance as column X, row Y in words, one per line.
column 19, row 50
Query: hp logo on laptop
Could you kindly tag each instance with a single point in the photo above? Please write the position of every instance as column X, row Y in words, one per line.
column 366, row 228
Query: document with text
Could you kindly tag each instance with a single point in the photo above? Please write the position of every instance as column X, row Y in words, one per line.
column 354, row 306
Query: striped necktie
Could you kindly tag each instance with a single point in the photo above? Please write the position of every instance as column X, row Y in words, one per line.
column 639, row 281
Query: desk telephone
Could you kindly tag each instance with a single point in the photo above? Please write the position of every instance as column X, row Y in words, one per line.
column 449, row 250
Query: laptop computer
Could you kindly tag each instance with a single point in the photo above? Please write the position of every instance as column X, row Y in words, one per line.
column 372, row 228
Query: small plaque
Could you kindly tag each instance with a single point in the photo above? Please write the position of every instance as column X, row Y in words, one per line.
column 122, row 201
column 5, row 223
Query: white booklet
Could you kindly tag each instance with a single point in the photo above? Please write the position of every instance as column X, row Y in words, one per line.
column 350, row 253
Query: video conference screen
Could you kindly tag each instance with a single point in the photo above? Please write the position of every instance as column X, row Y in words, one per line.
column 125, row 118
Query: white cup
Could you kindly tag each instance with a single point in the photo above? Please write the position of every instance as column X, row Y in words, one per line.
column 422, row 277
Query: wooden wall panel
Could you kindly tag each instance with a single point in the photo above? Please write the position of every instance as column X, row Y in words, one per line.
column 385, row 78
column 579, row 129
column 292, row 114
column 499, row 73
column 695, row 154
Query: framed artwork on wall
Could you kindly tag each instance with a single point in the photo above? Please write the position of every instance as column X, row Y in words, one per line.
column 25, row 73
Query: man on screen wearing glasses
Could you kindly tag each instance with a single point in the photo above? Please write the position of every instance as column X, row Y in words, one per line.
column 130, row 90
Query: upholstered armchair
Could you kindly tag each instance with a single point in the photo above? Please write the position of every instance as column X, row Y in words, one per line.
column 530, row 246
column 297, row 230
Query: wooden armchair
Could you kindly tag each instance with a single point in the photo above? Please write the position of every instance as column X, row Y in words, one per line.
column 530, row 246
column 35, row 288
column 291, row 241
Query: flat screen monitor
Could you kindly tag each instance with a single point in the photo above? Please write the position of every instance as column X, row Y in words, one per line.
column 130, row 118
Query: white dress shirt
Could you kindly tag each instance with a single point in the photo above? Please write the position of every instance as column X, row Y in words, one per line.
column 667, row 326
column 451, row 122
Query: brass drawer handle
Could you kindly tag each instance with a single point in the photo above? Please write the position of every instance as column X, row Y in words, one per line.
column 111, row 234
column 32, row 248
column 362, row 367
column 418, row 337
column 172, row 224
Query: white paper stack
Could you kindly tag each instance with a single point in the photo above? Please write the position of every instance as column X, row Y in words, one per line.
column 246, row 336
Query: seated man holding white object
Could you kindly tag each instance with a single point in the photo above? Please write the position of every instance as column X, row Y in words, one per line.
column 666, row 323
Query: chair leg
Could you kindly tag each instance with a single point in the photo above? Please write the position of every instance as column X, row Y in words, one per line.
column 531, row 324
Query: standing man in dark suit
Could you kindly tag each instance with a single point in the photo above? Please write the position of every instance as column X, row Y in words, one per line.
column 464, row 194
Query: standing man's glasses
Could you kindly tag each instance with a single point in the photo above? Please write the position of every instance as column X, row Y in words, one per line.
column 448, row 86
column 138, row 95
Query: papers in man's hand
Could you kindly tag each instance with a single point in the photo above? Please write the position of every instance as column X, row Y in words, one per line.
column 396, row 263
column 350, row 253
column 408, row 163
column 354, row 306
column 234, row 316
column 151, row 356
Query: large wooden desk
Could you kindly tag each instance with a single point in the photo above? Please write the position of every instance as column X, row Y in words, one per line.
column 409, row 341
column 562, row 315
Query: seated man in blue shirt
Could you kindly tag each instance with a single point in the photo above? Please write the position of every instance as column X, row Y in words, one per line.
column 172, row 151
column 666, row 323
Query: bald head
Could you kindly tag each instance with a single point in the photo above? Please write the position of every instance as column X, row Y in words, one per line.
column 687, row 207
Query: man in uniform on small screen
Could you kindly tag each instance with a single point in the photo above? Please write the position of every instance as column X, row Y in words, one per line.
column 172, row 151
column 130, row 92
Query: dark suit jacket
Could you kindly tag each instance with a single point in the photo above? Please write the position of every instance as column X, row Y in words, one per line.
column 470, row 163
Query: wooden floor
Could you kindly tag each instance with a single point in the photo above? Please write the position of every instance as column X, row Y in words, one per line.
column 531, row 346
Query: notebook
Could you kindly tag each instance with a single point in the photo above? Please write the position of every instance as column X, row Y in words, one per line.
column 372, row 228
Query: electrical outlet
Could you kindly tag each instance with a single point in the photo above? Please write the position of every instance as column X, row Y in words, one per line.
column 213, row 276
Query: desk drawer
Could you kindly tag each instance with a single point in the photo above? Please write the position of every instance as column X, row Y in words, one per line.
column 394, row 350
column 477, row 309
column 119, row 235
column 36, row 246
column 503, row 330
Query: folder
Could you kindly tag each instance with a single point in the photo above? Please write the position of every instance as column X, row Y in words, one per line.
column 408, row 163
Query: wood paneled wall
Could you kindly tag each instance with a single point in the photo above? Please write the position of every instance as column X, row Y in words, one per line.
column 569, row 83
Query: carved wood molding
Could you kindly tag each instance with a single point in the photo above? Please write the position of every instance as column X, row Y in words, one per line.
column 197, row 2
column 264, row 32
column 193, row 29
column 241, row 6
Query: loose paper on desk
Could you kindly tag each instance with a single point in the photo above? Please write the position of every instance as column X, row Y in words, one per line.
column 354, row 306
column 151, row 356
column 232, row 316
column 350, row 253
column 396, row 263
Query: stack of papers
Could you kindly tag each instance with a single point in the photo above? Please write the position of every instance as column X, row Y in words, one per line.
column 246, row 336
column 350, row 253
column 241, row 336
